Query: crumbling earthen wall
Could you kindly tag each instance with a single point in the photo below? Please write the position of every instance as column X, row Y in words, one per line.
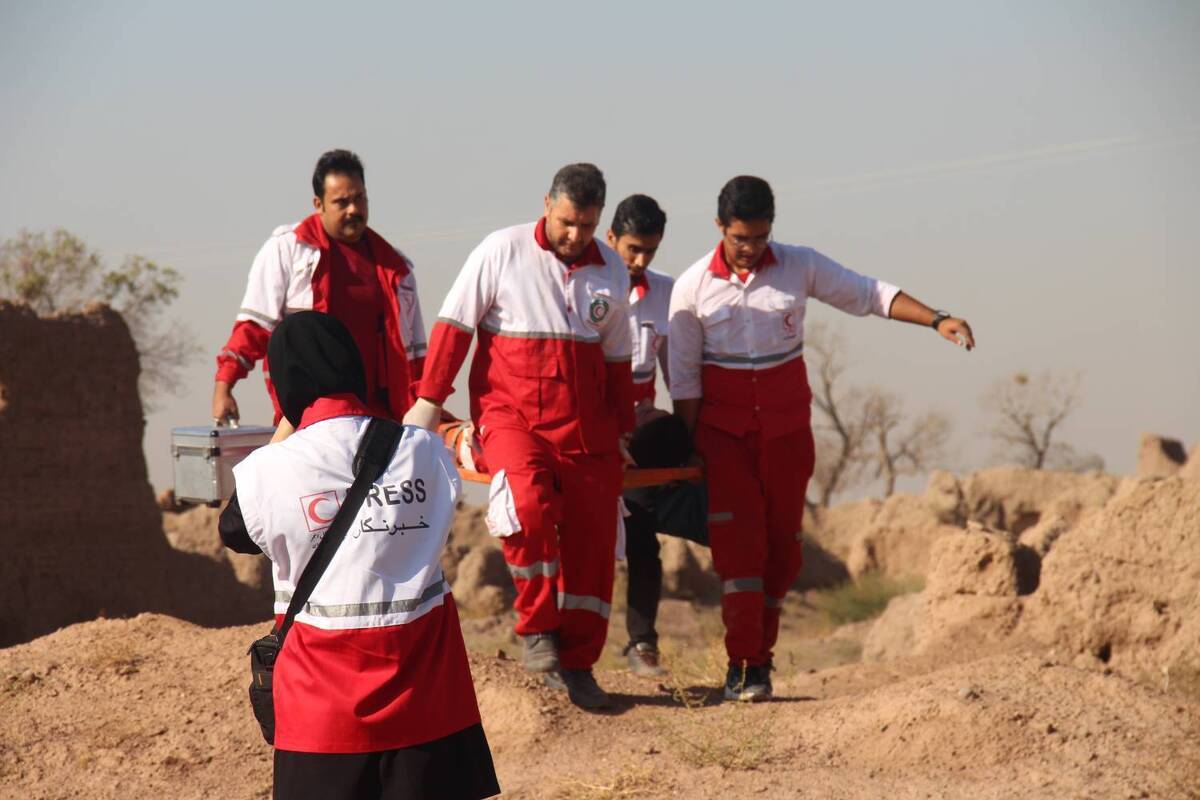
column 81, row 534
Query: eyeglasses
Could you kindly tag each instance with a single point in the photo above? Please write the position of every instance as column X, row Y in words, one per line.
column 749, row 242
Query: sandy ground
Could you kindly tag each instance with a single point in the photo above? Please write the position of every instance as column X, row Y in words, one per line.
column 153, row 706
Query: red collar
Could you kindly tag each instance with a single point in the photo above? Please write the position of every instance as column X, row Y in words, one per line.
column 335, row 405
column 640, row 284
column 312, row 233
column 591, row 255
column 721, row 269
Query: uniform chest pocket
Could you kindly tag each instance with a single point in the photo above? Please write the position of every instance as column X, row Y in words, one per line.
column 532, row 361
column 719, row 333
column 782, row 317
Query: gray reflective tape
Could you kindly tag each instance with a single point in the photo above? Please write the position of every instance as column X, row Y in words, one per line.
column 402, row 606
column 742, row 585
column 642, row 377
column 417, row 350
column 616, row 359
column 773, row 602
column 721, row 358
column 720, row 516
column 567, row 337
column 583, row 602
column 263, row 318
column 545, row 568
column 453, row 323
column 245, row 364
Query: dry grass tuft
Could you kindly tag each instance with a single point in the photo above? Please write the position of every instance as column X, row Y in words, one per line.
column 629, row 782
column 865, row 598
column 748, row 745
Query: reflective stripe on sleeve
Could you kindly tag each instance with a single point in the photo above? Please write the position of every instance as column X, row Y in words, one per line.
column 742, row 585
column 583, row 602
column 773, row 602
column 545, row 568
column 246, row 365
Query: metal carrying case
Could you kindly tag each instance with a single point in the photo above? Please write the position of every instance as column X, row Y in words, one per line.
column 204, row 458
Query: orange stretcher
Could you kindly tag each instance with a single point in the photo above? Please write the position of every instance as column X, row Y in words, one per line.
column 633, row 478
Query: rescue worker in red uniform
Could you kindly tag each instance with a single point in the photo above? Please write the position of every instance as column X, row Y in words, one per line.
column 331, row 262
column 550, row 395
column 738, row 380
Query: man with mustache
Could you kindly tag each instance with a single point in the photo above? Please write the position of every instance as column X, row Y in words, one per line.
column 333, row 263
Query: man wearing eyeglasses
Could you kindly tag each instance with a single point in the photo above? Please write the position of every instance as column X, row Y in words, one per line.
column 738, row 380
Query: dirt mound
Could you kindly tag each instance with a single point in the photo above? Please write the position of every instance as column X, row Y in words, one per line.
column 1117, row 589
column 83, row 536
column 899, row 538
column 1015, row 498
column 153, row 706
column 837, row 528
column 1123, row 586
column 1159, row 457
column 1191, row 470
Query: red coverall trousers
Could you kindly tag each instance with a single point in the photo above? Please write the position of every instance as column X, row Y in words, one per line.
column 562, row 560
column 756, row 492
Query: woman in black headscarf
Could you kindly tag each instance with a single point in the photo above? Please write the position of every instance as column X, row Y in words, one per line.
column 373, row 693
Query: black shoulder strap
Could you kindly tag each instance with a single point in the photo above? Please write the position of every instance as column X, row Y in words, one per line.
column 374, row 455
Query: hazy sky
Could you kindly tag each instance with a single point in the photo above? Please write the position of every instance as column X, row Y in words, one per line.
column 1034, row 167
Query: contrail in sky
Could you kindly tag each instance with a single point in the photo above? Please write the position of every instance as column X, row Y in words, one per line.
column 1061, row 152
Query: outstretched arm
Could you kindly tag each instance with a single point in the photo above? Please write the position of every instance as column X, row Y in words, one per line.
column 909, row 309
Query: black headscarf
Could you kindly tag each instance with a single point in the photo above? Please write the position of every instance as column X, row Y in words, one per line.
column 312, row 355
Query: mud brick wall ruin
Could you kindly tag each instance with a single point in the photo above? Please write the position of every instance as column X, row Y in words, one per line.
column 81, row 534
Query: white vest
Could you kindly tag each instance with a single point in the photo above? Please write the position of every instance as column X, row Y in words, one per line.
column 387, row 571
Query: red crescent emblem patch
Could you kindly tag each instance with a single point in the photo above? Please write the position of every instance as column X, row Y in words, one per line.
column 319, row 509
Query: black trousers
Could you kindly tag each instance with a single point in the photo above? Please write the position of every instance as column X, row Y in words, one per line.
column 456, row 767
column 678, row 509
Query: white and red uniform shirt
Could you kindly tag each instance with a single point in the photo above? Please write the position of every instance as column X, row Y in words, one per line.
column 554, row 347
column 649, row 312
column 738, row 344
column 298, row 269
column 375, row 661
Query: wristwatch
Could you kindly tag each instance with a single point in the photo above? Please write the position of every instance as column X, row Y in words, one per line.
column 939, row 317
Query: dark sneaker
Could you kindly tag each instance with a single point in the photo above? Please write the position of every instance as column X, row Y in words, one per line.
column 749, row 684
column 643, row 660
column 580, row 685
column 541, row 652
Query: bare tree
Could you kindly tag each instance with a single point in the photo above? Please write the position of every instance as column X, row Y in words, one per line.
column 56, row 272
column 899, row 448
column 1028, row 412
column 842, row 423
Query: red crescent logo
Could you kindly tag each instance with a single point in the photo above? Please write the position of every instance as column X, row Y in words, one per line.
column 309, row 505
column 312, row 511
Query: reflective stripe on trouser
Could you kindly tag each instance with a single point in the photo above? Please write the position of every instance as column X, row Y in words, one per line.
column 756, row 505
column 562, row 559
